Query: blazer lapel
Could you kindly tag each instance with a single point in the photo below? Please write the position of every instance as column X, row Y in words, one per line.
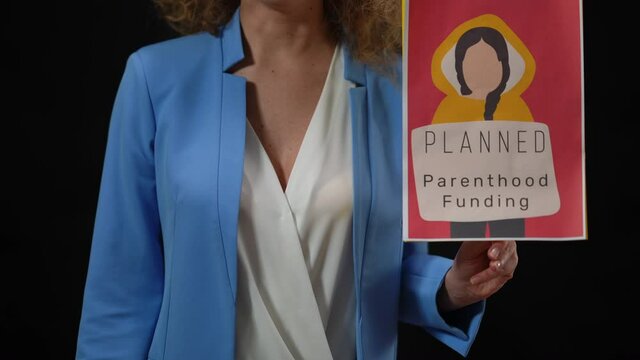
column 355, row 72
column 232, row 142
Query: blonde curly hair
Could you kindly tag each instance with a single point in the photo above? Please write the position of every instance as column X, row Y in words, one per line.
column 371, row 29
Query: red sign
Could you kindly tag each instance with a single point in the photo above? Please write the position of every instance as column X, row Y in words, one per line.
column 493, row 120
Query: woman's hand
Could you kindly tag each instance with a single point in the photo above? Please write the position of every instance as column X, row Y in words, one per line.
column 479, row 270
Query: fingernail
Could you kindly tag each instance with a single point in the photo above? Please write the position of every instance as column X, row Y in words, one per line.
column 495, row 252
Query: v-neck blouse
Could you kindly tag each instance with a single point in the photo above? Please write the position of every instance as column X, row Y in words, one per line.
column 296, row 297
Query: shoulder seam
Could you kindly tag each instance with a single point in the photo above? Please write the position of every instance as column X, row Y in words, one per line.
column 136, row 57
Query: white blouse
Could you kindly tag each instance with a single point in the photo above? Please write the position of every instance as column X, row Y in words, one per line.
column 295, row 294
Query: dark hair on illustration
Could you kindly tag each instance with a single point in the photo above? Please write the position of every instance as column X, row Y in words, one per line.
column 494, row 39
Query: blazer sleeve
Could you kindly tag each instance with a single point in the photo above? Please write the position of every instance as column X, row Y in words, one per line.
column 422, row 276
column 124, row 284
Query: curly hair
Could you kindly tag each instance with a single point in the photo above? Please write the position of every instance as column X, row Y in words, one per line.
column 371, row 29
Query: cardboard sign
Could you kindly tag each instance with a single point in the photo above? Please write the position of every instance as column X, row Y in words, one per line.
column 493, row 120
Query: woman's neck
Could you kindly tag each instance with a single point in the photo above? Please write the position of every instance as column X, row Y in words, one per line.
column 284, row 28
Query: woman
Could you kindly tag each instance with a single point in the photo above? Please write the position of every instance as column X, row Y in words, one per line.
column 227, row 225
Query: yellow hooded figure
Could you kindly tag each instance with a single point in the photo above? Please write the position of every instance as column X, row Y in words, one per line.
column 483, row 68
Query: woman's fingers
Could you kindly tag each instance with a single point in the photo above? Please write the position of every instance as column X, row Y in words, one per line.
column 485, row 275
column 495, row 250
column 502, row 265
column 488, row 288
column 479, row 270
column 501, row 249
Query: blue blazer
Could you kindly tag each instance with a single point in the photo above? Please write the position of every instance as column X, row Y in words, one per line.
column 161, row 282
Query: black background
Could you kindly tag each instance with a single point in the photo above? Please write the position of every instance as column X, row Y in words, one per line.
column 62, row 65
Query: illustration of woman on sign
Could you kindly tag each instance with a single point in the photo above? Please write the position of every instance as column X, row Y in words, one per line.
column 483, row 68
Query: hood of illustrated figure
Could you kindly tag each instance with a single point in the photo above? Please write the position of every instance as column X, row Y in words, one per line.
column 482, row 52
